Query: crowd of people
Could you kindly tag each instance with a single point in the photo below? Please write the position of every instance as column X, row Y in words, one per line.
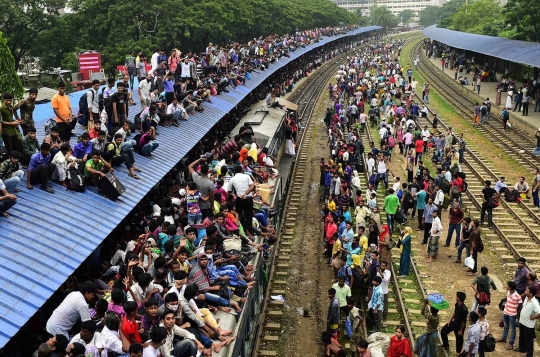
column 185, row 252
column 374, row 90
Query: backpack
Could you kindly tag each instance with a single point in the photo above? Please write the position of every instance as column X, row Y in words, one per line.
column 408, row 202
column 445, row 186
column 104, row 103
column 488, row 343
column 483, row 296
column 83, row 102
column 358, row 278
column 400, row 194
column 75, row 181
column 483, row 109
column 51, row 123
column 446, row 201
column 464, row 186
column 505, row 115
column 455, row 191
column 480, row 248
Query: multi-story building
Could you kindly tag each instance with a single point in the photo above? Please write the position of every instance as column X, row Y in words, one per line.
column 395, row 6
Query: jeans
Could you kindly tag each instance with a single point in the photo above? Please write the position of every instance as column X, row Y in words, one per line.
column 461, row 159
column 417, row 158
column 489, row 211
column 483, row 118
column 451, row 228
column 128, row 144
column 216, row 300
column 536, row 200
column 42, row 174
column 525, row 108
column 11, row 183
column 185, row 347
column 427, row 229
column 480, row 349
column 194, row 218
column 390, row 222
column 440, row 154
column 262, row 219
column 378, row 320
column 131, row 73
column 509, row 322
column 149, row 148
column 5, row 205
column 420, row 216
column 462, row 246
column 476, row 305
column 477, row 89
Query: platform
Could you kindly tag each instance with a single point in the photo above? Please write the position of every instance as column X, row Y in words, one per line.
column 489, row 90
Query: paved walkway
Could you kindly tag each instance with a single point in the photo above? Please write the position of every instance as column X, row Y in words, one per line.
column 530, row 123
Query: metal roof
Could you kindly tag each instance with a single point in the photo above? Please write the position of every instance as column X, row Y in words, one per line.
column 503, row 48
column 48, row 236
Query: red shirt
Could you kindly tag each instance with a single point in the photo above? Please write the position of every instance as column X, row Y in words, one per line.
column 419, row 145
column 459, row 182
column 131, row 329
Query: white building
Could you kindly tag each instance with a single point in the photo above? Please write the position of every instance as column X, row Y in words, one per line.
column 395, row 6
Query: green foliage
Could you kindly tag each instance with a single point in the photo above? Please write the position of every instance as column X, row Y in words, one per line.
column 482, row 17
column 406, row 15
column 116, row 27
column 361, row 20
column 429, row 16
column 23, row 21
column 382, row 16
column 447, row 11
column 524, row 18
column 9, row 81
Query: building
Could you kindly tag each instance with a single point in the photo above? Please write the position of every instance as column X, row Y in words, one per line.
column 395, row 6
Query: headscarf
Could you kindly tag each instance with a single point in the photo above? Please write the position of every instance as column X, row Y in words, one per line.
column 243, row 154
column 253, row 152
column 407, row 231
column 355, row 179
column 340, row 168
column 356, row 260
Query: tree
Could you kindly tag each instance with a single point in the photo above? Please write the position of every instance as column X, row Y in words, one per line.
column 361, row 19
column 429, row 16
column 9, row 80
column 447, row 11
column 524, row 17
column 23, row 21
column 483, row 17
column 406, row 16
column 381, row 16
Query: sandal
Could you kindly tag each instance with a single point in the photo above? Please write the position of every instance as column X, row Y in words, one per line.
column 510, row 347
column 137, row 169
column 135, row 176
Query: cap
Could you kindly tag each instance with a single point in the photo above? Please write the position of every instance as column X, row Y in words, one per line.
column 152, row 242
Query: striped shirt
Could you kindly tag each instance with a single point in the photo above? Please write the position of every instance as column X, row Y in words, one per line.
column 512, row 303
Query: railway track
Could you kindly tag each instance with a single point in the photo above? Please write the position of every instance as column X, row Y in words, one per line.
column 406, row 297
column 273, row 310
column 516, row 231
column 514, row 142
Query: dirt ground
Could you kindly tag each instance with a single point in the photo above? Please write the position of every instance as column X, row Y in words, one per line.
column 309, row 277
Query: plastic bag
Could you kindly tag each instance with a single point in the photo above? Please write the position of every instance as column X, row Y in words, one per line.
column 380, row 340
column 469, row 262
column 348, row 327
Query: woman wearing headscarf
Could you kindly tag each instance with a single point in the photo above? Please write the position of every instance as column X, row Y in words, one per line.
column 405, row 248
column 399, row 345
column 243, row 154
column 385, row 250
column 253, row 152
column 355, row 182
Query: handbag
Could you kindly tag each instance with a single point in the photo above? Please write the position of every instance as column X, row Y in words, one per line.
column 398, row 245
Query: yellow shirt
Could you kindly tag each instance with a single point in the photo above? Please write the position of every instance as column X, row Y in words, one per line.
column 363, row 242
column 336, row 247
column 332, row 206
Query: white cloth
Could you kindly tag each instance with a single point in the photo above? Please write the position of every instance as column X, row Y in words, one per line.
column 150, row 351
column 145, row 87
column 73, row 308
column 530, row 307
column 95, row 341
column 386, row 275
column 240, row 183
column 93, row 101
column 436, row 226
column 111, row 341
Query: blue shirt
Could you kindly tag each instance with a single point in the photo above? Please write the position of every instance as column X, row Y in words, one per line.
column 428, row 213
column 421, row 199
column 37, row 160
column 377, row 299
column 168, row 85
column 347, row 215
column 80, row 150
column 349, row 235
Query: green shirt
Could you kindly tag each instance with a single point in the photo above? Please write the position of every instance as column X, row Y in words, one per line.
column 130, row 62
column 27, row 107
column 93, row 165
column 30, row 147
column 391, row 204
column 342, row 293
column 7, row 117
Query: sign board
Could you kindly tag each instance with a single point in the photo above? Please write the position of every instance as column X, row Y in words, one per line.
column 89, row 61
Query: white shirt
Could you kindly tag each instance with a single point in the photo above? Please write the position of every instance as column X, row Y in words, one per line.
column 382, row 133
column 95, row 341
column 150, row 351
column 439, row 198
column 122, row 132
column 396, row 186
column 138, row 291
column 145, row 87
column 425, row 135
column 529, row 308
column 73, row 308
column 381, row 167
column 2, row 186
column 385, row 280
column 93, row 105
column 240, row 183
column 371, row 165
column 154, row 62
column 436, row 226
column 111, row 341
